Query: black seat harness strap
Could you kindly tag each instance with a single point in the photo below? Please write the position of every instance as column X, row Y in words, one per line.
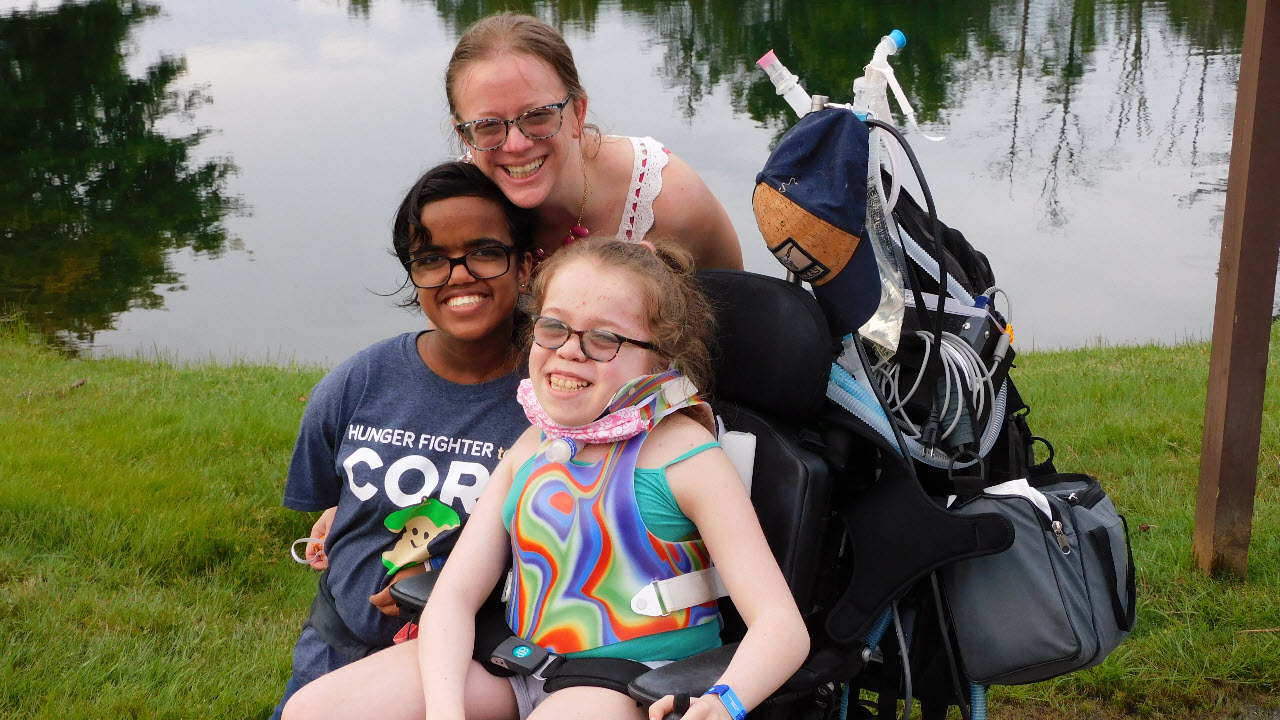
column 611, row 673
column 497, row 646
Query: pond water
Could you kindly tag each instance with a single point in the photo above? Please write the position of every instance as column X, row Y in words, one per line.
column 215, row 178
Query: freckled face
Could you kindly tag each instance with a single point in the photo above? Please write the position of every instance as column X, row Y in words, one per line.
column 466, row 308
column 571, row 387
column 505, row 87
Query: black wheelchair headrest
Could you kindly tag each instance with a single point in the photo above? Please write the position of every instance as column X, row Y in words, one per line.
column 774, row 353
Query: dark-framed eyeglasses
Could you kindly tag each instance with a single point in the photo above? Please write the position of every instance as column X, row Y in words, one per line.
column 598, row 345
column 539, row 123
column 484, row 263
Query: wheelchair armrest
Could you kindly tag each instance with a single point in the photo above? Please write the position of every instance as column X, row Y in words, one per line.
column 412, row 592
column 690, row 676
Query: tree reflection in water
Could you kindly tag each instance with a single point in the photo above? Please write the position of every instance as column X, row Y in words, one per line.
column 1045, row 51
column 93, row 198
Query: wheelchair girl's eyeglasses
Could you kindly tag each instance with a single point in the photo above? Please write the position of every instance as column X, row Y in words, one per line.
column 598, row 345
column 484, row 263
column 539, row 123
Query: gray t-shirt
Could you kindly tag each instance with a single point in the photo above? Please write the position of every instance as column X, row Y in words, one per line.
column 381, row 432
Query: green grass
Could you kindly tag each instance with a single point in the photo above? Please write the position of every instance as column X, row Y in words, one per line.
column 144, row 568
column 1133, row 417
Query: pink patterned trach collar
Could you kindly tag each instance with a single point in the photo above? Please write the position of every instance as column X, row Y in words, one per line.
column 644, row 401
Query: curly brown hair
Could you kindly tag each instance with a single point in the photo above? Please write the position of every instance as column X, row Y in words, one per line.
column 680, row 317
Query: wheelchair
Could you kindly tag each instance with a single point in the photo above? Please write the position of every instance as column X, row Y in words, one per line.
column 849, row 523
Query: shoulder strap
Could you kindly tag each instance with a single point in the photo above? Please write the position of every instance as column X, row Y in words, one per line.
column 645, row 186
column 691, row 453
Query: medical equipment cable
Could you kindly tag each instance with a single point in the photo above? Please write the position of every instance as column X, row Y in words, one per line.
column 962, row 368
column 946, row 645
column 932, row 360
column 991, row 292
column 906, row 663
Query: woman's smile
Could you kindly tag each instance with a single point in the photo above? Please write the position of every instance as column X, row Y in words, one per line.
column 520, row 172
column 458, row 301
column 464, row 307
column 505, row 87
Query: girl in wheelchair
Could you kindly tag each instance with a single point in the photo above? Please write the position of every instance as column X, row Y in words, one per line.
column 619, row 483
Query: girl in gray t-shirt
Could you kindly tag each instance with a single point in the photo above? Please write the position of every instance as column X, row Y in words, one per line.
column 397, row 442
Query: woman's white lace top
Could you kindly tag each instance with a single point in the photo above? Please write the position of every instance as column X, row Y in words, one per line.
column 646, row 183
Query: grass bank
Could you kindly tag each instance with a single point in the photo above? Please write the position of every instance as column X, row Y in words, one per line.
column 144, row 569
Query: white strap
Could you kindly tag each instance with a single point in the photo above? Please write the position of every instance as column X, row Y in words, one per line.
column 293, row 549
column 663, row 597
column 901, row 97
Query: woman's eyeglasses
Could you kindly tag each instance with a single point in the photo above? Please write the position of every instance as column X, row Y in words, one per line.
column 484, row 263
column 539, row 123
column 598, row 345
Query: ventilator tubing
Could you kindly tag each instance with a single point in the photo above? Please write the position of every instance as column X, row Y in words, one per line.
column 870, row 91
column 850, row 388
column 848, row 394
column 929, row 265
column 977, row 702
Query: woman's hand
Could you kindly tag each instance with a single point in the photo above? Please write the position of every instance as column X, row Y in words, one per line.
column 383, row 600
column 316, row 556
column 707, row 707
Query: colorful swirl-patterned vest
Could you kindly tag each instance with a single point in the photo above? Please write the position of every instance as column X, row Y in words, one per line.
column 582, row 551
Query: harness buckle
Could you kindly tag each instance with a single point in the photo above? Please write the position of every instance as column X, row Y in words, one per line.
column 549, row 664
column 662, row 605
column 649, row 597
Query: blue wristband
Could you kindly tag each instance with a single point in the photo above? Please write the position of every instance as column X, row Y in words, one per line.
column 730, row 700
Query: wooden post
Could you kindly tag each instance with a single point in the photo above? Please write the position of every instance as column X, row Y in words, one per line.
column 1241, row 321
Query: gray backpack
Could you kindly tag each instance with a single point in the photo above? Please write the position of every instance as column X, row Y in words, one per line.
column 1060, row 599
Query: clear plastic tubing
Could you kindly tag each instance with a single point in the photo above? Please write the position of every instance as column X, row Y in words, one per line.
column 870, row 92
column 788, row 85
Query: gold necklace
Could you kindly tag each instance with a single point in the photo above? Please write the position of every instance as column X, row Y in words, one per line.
column 577, row 232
